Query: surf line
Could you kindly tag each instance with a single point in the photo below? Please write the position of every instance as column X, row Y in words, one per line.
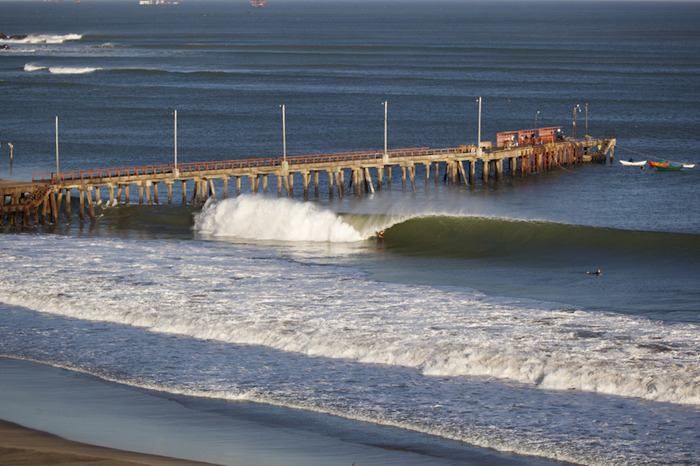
column 522, row 152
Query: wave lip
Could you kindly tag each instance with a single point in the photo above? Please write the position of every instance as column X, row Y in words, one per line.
column 251, row 217
column 30, row 67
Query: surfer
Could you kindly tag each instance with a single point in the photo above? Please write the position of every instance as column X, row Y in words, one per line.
column 597, row 273
column 380, row 234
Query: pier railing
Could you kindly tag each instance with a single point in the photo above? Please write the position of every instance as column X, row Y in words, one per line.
column 189, row 167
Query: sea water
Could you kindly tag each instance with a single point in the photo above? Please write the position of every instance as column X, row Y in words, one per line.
column 474, row 319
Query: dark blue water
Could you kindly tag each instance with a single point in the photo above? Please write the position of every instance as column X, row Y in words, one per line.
column 476, row 290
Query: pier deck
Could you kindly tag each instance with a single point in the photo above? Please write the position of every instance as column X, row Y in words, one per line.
column 44, row 196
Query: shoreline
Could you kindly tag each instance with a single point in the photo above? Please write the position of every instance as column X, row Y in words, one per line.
column 20, row 445
column 55, row 413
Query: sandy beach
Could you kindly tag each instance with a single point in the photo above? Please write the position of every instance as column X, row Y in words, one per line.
column 19, row 445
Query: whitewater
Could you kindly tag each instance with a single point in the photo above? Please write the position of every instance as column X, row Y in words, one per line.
column 472, row 320
column 440, row 331
column 231, row 293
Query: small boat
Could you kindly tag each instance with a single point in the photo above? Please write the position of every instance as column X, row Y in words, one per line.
column 688, row 165
column 632, row 163
column 668, row 166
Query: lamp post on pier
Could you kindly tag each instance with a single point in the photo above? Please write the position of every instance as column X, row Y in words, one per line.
column 386, row 112
column 176, row 173
column 57, row 146
column 536, row 115
column 284, row 137
column 586, row 120
column 478, row 149
column 577, row 107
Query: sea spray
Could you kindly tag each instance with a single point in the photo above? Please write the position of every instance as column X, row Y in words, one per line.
column 251, row 217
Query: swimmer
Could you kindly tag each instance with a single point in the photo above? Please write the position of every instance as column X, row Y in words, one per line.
column 597, row 272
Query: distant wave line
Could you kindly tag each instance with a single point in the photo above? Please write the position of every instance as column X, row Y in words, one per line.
column 44, row 38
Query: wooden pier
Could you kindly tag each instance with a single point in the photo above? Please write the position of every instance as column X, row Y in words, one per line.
column 356, row 172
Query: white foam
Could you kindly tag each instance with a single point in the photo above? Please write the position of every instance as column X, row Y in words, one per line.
column 33, row 67
column 258, row 218
column 46, row 39
column 220, row 294
column 72, row 70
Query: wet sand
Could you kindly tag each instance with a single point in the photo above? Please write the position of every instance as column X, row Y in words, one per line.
column 68, row 417
column 22, row 446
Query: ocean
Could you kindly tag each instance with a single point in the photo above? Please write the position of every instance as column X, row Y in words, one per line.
column 474, row 322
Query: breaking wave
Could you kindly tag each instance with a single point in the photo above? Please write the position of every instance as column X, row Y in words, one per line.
column 43, row 38
column 256, row 218
column 72, row 70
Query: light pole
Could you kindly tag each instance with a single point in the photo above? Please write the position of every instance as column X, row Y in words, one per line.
column 57, row 146
column 386, row 112
column 586, row 120
column 536, row 114
column 175, row 172
column 577, row 107
column 284, row 137
column 478, row 150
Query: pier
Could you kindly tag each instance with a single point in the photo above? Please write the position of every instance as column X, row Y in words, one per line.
column 520, row 153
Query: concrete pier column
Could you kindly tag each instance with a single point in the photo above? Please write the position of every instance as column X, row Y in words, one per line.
column 264, row 181
column 147, row 186
column 339, row 183
column 485, row 168
column 461, row 172
column 110, row 187
column 499, row 169
column 316, row 183
column 330, row 183
column 279, row 185
column 54, row 207
column 81, row 196
column 368, row 180
column 91, row 207
column 225, row 180
column 286, row 185
column 169, row 185
column 212, row 189
column 184, row 192
column 238, row 186
column 68, row 202
column 472, row 171
column 306, row 176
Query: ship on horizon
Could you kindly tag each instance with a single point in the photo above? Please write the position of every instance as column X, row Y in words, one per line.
column 157, row 2
column 257, row 3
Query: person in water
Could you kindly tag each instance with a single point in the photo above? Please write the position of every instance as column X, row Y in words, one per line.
column 380, row 234
column 597, row 272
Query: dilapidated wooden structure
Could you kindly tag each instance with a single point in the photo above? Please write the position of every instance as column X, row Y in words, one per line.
column 355, row 172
